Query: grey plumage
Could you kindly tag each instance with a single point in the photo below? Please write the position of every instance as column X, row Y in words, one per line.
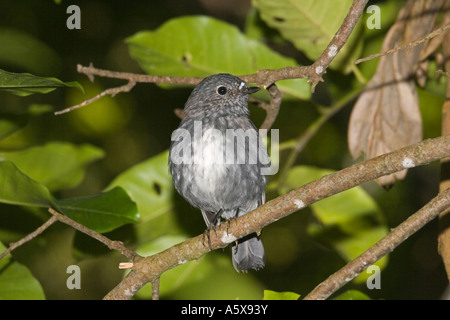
column 222, row 184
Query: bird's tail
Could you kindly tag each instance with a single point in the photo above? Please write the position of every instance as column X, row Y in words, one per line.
column 248, row 253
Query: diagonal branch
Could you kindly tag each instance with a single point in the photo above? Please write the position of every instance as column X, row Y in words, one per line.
column 29, row 236
column 111, row 244
column 386, row 245
column 406, row 46
column 108, row 92
column 315, row 71
column 56, row 216
column 150, row 268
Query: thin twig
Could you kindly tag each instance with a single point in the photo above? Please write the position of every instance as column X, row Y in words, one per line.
column 113, row 245
column 406, row 46
column 29, row 236
column 91, row 71
column 386, row 245
column 442, row 73
column 108, row 92
column 272, row 108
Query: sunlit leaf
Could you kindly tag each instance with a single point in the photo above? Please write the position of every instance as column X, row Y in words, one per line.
column 310, row 25
column 17, row 282
column 57, row 165
column 274, row 295
column 24, row 84
column 201, row 46
column 19, row 189
column 352, row 295
column 150, row 185
column 102, row 212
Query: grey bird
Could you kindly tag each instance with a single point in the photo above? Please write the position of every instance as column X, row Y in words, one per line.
column 216, row 157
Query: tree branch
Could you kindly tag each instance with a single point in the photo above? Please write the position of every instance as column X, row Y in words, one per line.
column 111, row 244
column 265, row 77
column 150, row 268
column 315, row 71
column 444, row 218
column 386, row 245
column 56, row 216
column 272, row 108
column 29, row 236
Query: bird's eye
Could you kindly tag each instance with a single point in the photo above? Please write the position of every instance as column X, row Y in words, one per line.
column 222, row 90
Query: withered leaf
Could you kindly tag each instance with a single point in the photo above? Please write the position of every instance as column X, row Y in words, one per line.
column 386, row 116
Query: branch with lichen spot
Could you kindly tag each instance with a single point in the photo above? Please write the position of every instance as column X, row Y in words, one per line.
column 150, row 268
column 386, row 245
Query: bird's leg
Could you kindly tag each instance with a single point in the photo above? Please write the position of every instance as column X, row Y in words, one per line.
column 207, row 233
column 211, row 224
column 233, row 218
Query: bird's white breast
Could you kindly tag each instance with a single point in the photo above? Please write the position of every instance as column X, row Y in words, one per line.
column 210, row 166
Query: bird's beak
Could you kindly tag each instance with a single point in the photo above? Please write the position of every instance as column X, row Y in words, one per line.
column 251, row 90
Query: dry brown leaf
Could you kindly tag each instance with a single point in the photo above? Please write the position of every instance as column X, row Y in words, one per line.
column 386, row 116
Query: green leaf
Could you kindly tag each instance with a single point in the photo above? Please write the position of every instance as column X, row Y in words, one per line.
column 286, row 295
column 150, row 185
column 17, row 188
column 57, row 165
column 200, row 46
column 102, row 212
column 310, row 25
column 350, row 221
column 17, row 282
column 352, row 295
column 24, row 84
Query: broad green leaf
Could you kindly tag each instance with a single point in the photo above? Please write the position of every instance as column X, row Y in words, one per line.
column 150, row 185
column 102, row 212
column 24, row 84
column 352, row 295
column 310, row 25
column 17, row 282
column 200, row 46
column 17, row 188
column 57, row 165
column 274, row 295
column 350, row 221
